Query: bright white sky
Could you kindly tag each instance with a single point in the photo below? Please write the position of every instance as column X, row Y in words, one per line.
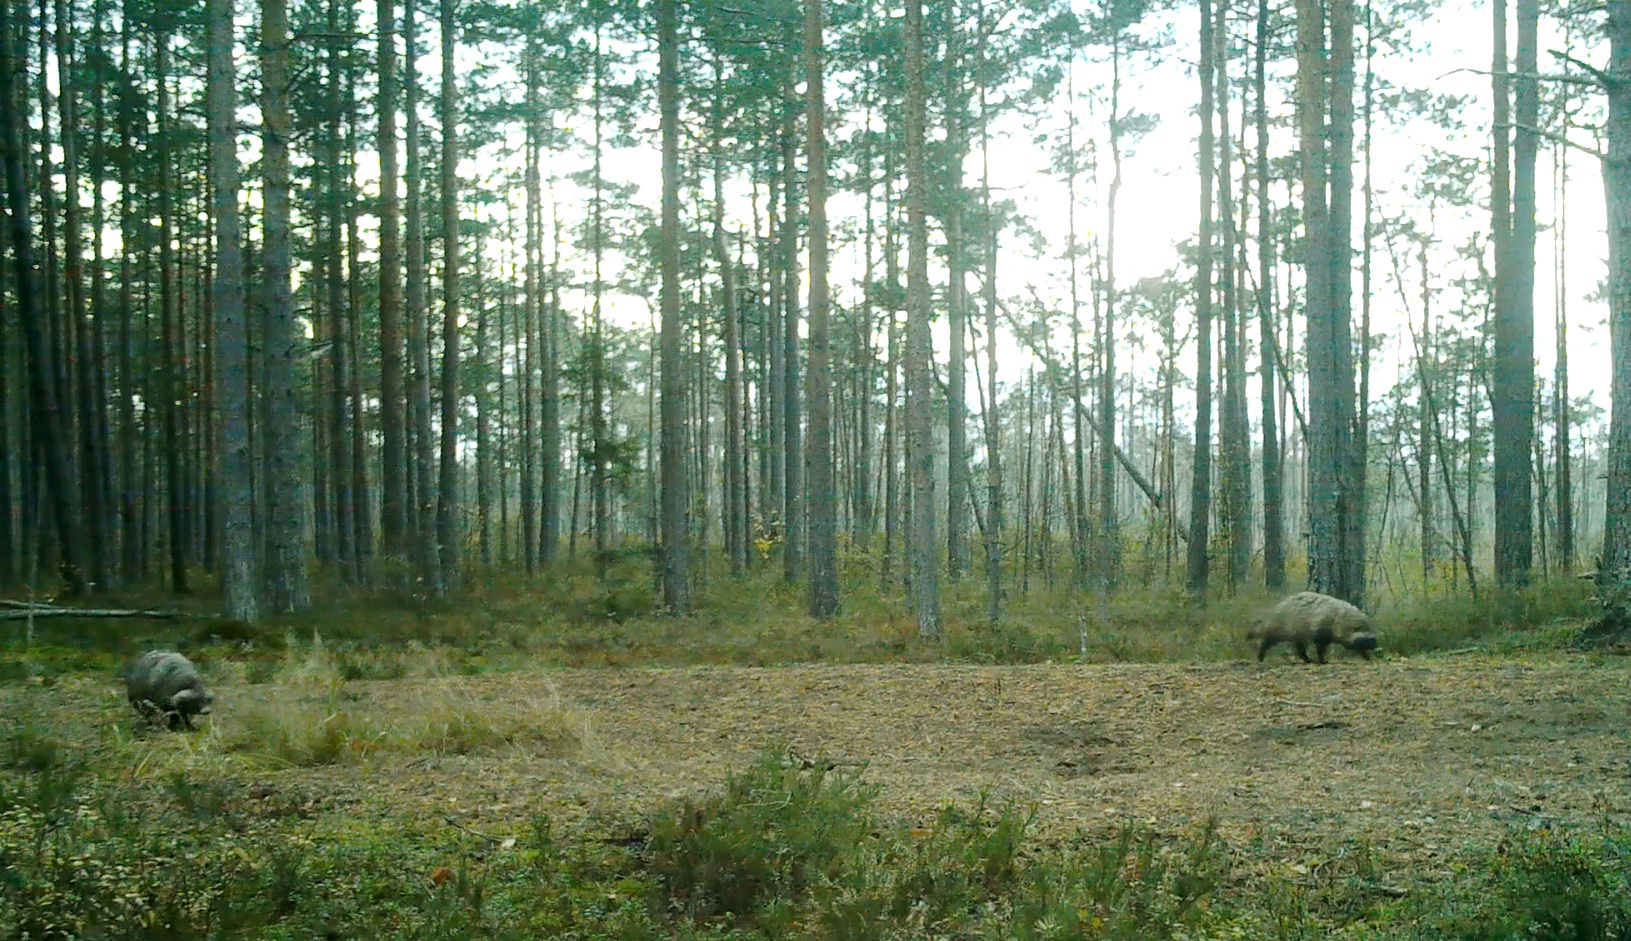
column 1159, row 201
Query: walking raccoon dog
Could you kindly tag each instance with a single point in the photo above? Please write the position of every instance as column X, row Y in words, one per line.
column 166, row 685
column 1310, row 617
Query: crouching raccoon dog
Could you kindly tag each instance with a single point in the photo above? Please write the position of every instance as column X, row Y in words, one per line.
column 1309, row 616
column 166, row 684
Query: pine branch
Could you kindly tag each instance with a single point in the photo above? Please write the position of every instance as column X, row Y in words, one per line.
column 1563, row 139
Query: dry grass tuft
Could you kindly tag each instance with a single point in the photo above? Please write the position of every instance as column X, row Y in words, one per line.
column 446, row 717
column 312, row 712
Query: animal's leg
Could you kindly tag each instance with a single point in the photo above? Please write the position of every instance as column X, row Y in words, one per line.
column 1263, row 648
column 1302, row 650
column 1320, row 647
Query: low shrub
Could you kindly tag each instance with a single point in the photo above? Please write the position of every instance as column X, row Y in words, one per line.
column 773, row 833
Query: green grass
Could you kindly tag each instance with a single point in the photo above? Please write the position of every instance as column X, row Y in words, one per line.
column 783, row 850
column 302, row 712
column 566, row 617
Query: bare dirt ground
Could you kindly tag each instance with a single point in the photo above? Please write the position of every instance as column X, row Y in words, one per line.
column 1420, row 757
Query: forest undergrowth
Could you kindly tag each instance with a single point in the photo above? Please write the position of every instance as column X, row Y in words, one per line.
column 567, row 617
column 408, row 768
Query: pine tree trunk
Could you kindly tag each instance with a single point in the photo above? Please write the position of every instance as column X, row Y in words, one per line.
column 58, row 326
column 1109, row 549
column 993, row 417
column 288, row 543
column 735, row 522
column 1233, row 438
column 240, row 569
column 130, row 541
column 957, row 478
column 170, row 318
column 1425, row 439
column 1512, row 393
column 865, row 499
column 598, row 443
column 48, row 421
column 484, row 416
column 1615, row 569
column 1561, row 407
column 823, row 490
column 11, row 458
column 423, row 515
column 1077, row 499
column 92, row 461
column 1274, row 558
column 1324, row 444
column 1361, row 442
column 919, row 343
column 1351, row 460
column 362, row 527
column 549, row 478
column 892, row 409
column 339, row 433
column 531, row 320
column 99, row 354
column 676, row 594
column 447, row 496
column 1200, row 499
column 393, row 456
column 792, row 432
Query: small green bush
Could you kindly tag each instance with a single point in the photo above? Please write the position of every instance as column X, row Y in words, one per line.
column 1502, row 618
column 1130, row 887
column 1547, row 887
column 773, row 833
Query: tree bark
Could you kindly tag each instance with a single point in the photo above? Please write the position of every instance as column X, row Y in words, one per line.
column 1562, row 408
column 1076, row 495
column 1200, row 499
column 919, row 344
column 423, row 516
column 736, row 536
column 92, row 459
column 1351, row 460
column 1109, row 551
column 1512, row 393
column 1328, row 331
column 393, row 455
column 240, row 569
column 792, row 432
column 549, row 477
column 957, row 477
column 531, row 319
column 339, row 433
column 362, row 530
column 288, row 545
column 170, row 319
column 130, row 541
column 447, row 495
column 993, row 418
column 1274, row 559
column 676, row 595
column 484, row 414
column 1614, row 571
column 599, row 444
column 823, row 491
column 48, row 422
column 1235, row 446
